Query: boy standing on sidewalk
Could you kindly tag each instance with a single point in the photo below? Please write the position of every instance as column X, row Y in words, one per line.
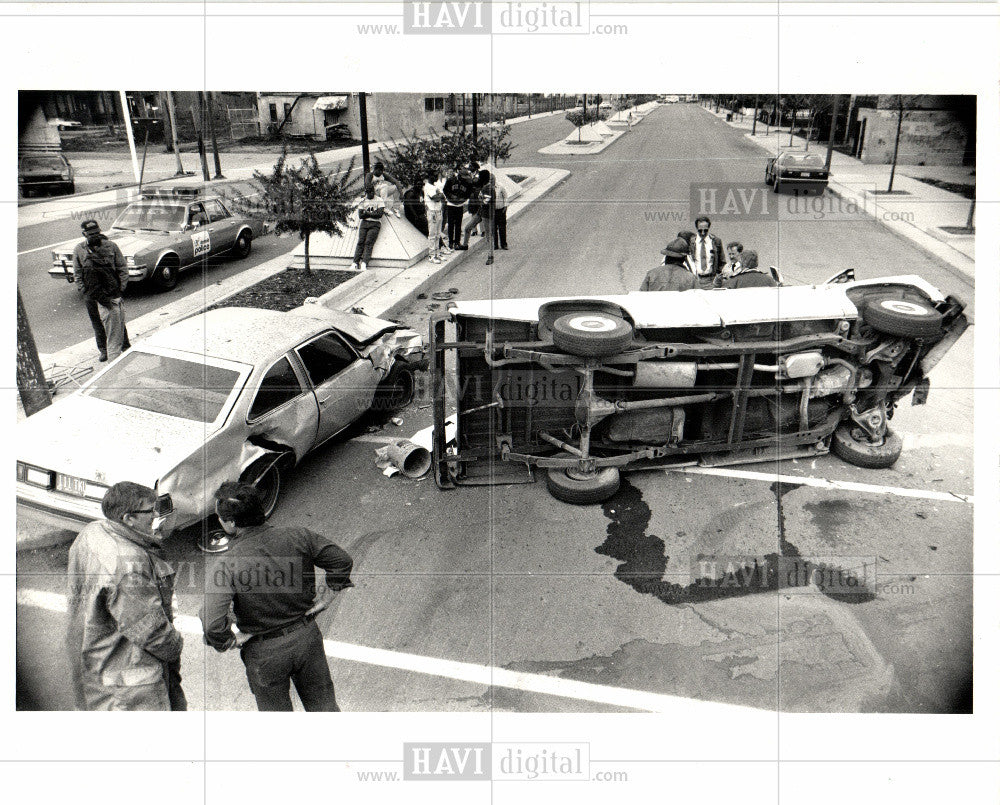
column 433, row 198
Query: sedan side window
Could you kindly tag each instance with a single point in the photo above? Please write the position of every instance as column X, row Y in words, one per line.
column 280, row 385
column 216, row 212
column 196, row 214
column 325, row 357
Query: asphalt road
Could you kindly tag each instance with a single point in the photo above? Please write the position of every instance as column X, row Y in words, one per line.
column 507, row 578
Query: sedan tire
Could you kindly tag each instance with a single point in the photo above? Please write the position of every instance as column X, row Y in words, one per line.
column 166, row 273
column 851, row 444
column 269, row 485
column 243, row 245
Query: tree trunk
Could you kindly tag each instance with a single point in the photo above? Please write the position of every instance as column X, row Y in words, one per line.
column 833, row 132
column 31, row 383
column 895, row 148
column 791, row 126
column 306, row 264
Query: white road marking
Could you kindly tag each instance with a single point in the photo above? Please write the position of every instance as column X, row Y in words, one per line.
column 43, row 248
column 823, row 483
column 453, row 669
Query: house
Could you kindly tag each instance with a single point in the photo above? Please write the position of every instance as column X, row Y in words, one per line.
column 323, row 116
column 935, row 130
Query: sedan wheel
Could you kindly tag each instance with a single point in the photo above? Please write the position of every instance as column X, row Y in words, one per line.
column 243, row 245
column 165, row 276
column 571, row 486
column 269, row 487
column 854, row 447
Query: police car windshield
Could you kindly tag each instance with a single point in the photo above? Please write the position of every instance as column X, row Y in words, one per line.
column 152, row 215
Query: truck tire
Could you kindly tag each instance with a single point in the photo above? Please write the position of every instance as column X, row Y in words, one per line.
column 582, row 491
column 591, row 334
column 855, row 449
column 904, row 316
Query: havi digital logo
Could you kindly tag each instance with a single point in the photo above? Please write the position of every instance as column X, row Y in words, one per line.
column 447, row 761
column 446, row 18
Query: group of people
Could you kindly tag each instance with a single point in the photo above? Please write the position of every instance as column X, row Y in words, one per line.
column 260, row 597
column 437, row 205
column 697, row 260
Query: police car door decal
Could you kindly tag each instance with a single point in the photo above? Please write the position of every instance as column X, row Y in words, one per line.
column 202, row 243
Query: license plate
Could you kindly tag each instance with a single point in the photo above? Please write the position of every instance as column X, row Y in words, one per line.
column 71, row 485
column 38, row 477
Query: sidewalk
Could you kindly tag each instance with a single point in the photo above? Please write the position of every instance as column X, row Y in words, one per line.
column 95, row 169
column 378, row 291
column 918, row 213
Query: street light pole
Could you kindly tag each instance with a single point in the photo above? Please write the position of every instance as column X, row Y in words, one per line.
column 363, row 114
column 756, row 110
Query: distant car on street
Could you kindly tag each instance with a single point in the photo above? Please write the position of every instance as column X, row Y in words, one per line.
column 65, row 125
column 801, row 171
column 44, row 173
column 231, row 394
column 584, row 387
column 168, row 230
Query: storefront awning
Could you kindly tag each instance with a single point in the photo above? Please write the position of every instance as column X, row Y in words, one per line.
column 329, row 103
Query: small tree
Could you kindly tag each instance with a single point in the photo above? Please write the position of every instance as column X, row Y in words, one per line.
column 410, row 160
column 902, row 104
column 305, row 199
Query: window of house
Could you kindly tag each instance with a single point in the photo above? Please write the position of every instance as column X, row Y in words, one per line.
column 288, row 110
column 280, row 385
column 274, row 112
column 325, row 357
column 439, row 104
column 428, row 104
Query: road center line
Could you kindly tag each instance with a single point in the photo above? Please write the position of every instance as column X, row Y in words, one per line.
column 823, row 483
column 461, row 671
column 43, row 248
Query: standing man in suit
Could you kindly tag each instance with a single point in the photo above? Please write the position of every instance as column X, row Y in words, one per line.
column 707, row 254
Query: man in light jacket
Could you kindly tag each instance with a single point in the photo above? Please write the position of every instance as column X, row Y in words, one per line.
column 123, row 648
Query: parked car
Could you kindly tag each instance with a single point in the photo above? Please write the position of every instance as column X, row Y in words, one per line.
column 802, row 171
column 234, row 393
column 583, row 387
column 44, row 173
column 65, row 125
column 168, row 230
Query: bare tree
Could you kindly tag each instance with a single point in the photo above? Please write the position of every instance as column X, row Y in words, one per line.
column 902, row 104
column 31, row 383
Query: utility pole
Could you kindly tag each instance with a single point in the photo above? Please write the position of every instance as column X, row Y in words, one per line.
column 363, row 114
column 833, row 131
column 463, row 113
column 756, row 110
column 127, row 115
column 211, row 131
column 173, row 131
column 31, row 383
column 475, row 115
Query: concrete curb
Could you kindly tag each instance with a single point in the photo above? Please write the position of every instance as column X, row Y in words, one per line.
column 963, row 266
column 563, row 148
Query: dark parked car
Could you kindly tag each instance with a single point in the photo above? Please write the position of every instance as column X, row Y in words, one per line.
column 583, row 387
column 798, row 171
column 44, row 173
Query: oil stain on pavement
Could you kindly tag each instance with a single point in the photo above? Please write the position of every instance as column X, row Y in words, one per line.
column 644, row 560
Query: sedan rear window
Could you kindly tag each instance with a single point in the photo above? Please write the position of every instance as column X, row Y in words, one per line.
column 44, row 163
column 166, row 385
column 808, row 160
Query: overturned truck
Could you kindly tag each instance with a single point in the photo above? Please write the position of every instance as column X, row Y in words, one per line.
column 585, row 387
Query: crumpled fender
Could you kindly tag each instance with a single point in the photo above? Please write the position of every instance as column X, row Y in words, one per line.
column 258, row 447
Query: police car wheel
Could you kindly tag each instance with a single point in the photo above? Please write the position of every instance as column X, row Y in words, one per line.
column 903, row 316
column 591, row 334
column 243, row 245
column 165, row 276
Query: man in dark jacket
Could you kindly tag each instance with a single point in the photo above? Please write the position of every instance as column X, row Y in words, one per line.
column 98, row 248
column 123, row 648
column 673, row 275
column 747, row 275
column 265, row 585
column 100, row 268
column 456, row 193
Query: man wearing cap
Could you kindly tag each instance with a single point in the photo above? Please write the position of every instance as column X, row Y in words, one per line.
column 673, row 275
column 124, row 651
column 265, row 585
column 707, row 254
column 101, row 275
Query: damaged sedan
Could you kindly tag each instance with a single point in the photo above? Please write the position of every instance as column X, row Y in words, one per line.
column 582, row 388
column 231, row 394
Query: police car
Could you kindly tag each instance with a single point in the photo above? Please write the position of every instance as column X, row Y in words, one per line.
column 168, row 230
